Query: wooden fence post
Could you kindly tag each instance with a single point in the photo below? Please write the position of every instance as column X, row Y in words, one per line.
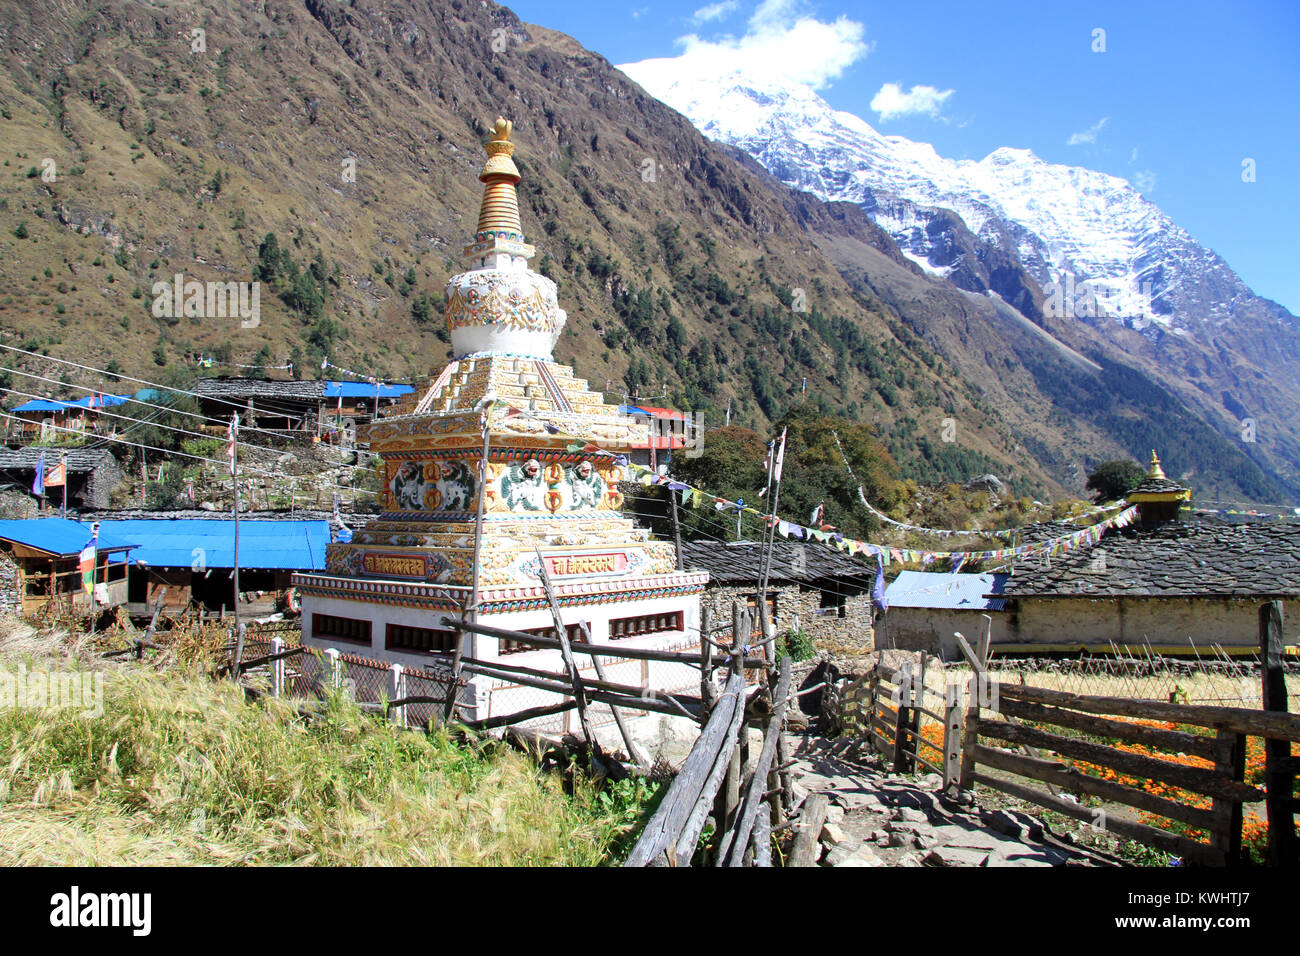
column 1280, row 767
column 277, row 667
column 902, row 719
column 1230, row 762
column 951, row 738
column 971, row 737
column 873, row 708
column 453, row 687
column 397, row 691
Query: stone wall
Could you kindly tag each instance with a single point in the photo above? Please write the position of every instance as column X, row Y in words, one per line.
column 931, row 629
column 799, row 606
column 11, row 601
column 1202, row 621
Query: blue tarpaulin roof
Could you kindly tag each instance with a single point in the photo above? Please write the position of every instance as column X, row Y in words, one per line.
column 963, row 592
column 86, row 401
column 185, row 542
column 61, row 536
column 364, row 390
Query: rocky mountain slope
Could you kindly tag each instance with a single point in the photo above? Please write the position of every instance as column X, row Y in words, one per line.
column 351, row 132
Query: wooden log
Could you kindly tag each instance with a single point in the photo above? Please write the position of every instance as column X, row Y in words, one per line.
column 598, row 761
column 683, row 706
column 763, row 835
column 707, row 689
column 1279, row 766
column 806, row 848
column 1076, row 781
column 758, row 780
column 656, row 704
column 505, row 720
column 458, row 655
column 1239, row 720
column 637, row 755
column 666, row 836
column 1189, row 850
column 705, row 803
column 604, row 650
column 1174, row 741
column 1212, row 783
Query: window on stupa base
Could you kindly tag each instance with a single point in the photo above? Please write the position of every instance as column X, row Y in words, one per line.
column 574, row 631
column 347, row 629
column 427, row 640
column 622, row 627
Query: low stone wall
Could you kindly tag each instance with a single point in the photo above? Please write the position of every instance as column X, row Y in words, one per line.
column 830, row 629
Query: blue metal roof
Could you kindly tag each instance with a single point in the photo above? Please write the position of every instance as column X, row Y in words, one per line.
column 297, row 545
column 364, row 390
column 964, row 592
column 86, row 401
column 61, row 536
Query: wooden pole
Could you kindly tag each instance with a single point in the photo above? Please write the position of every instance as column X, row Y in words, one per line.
column 1279, row 766
column 758, row 783
column 677, row 526
column 234, row 481
column 598, row 761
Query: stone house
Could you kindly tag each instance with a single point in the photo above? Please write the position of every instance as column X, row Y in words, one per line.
column 811, row 587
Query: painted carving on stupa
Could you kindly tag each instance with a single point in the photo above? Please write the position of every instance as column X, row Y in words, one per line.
column 586, row 487
column 523, row 487
column 432, row 486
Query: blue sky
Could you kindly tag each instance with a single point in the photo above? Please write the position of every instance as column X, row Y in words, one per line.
column 1182, row 95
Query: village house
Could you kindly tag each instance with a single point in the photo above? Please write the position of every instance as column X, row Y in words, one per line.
column 668, row 430
column 812, row 588
column 325, row 409
column 1173, row 582
column 39, row 562
column 192, row 555
column 54, row 420
column 93, row 473
column 926, row 608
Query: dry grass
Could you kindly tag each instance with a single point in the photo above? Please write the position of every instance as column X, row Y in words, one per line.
column 182, row 770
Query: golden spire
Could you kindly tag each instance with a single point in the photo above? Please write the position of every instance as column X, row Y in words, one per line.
column 500, row 210
column 1155, row 471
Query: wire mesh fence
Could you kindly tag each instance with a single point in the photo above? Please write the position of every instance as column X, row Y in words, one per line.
column 1210, row 678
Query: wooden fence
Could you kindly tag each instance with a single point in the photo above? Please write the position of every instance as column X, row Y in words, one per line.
column 1001, row 716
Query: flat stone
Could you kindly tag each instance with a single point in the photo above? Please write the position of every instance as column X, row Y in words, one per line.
column 956, row 856
column 907, row 840
column 958, row 836
column 931, row 781
column 837, row 856
column 911, row 815
column 1018, row 826
column 907, row 826
column 833, row 834
column 908, row 860
column 834, row 814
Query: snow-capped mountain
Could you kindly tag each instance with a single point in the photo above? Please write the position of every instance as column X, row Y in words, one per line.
column 1090, row 240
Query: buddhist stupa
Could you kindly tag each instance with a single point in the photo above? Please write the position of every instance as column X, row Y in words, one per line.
column 555, row 456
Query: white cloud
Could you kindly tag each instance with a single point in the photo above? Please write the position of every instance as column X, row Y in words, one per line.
column 639, row 12
column 891, row 102
column 714, row 11
column 1145, row 180
column 1090, row 134
column 781, row 46
column 1133, row 157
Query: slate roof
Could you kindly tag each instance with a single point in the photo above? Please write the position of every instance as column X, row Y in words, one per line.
column 1196, row 557
column 934, row 589
column 792, row 561
column 241, row 388
column 79, row 459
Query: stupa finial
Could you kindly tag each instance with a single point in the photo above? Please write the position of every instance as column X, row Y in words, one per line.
column 1154, row 470
column 499, row 215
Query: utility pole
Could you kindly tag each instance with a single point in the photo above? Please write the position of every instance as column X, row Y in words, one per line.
column 234, row 481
